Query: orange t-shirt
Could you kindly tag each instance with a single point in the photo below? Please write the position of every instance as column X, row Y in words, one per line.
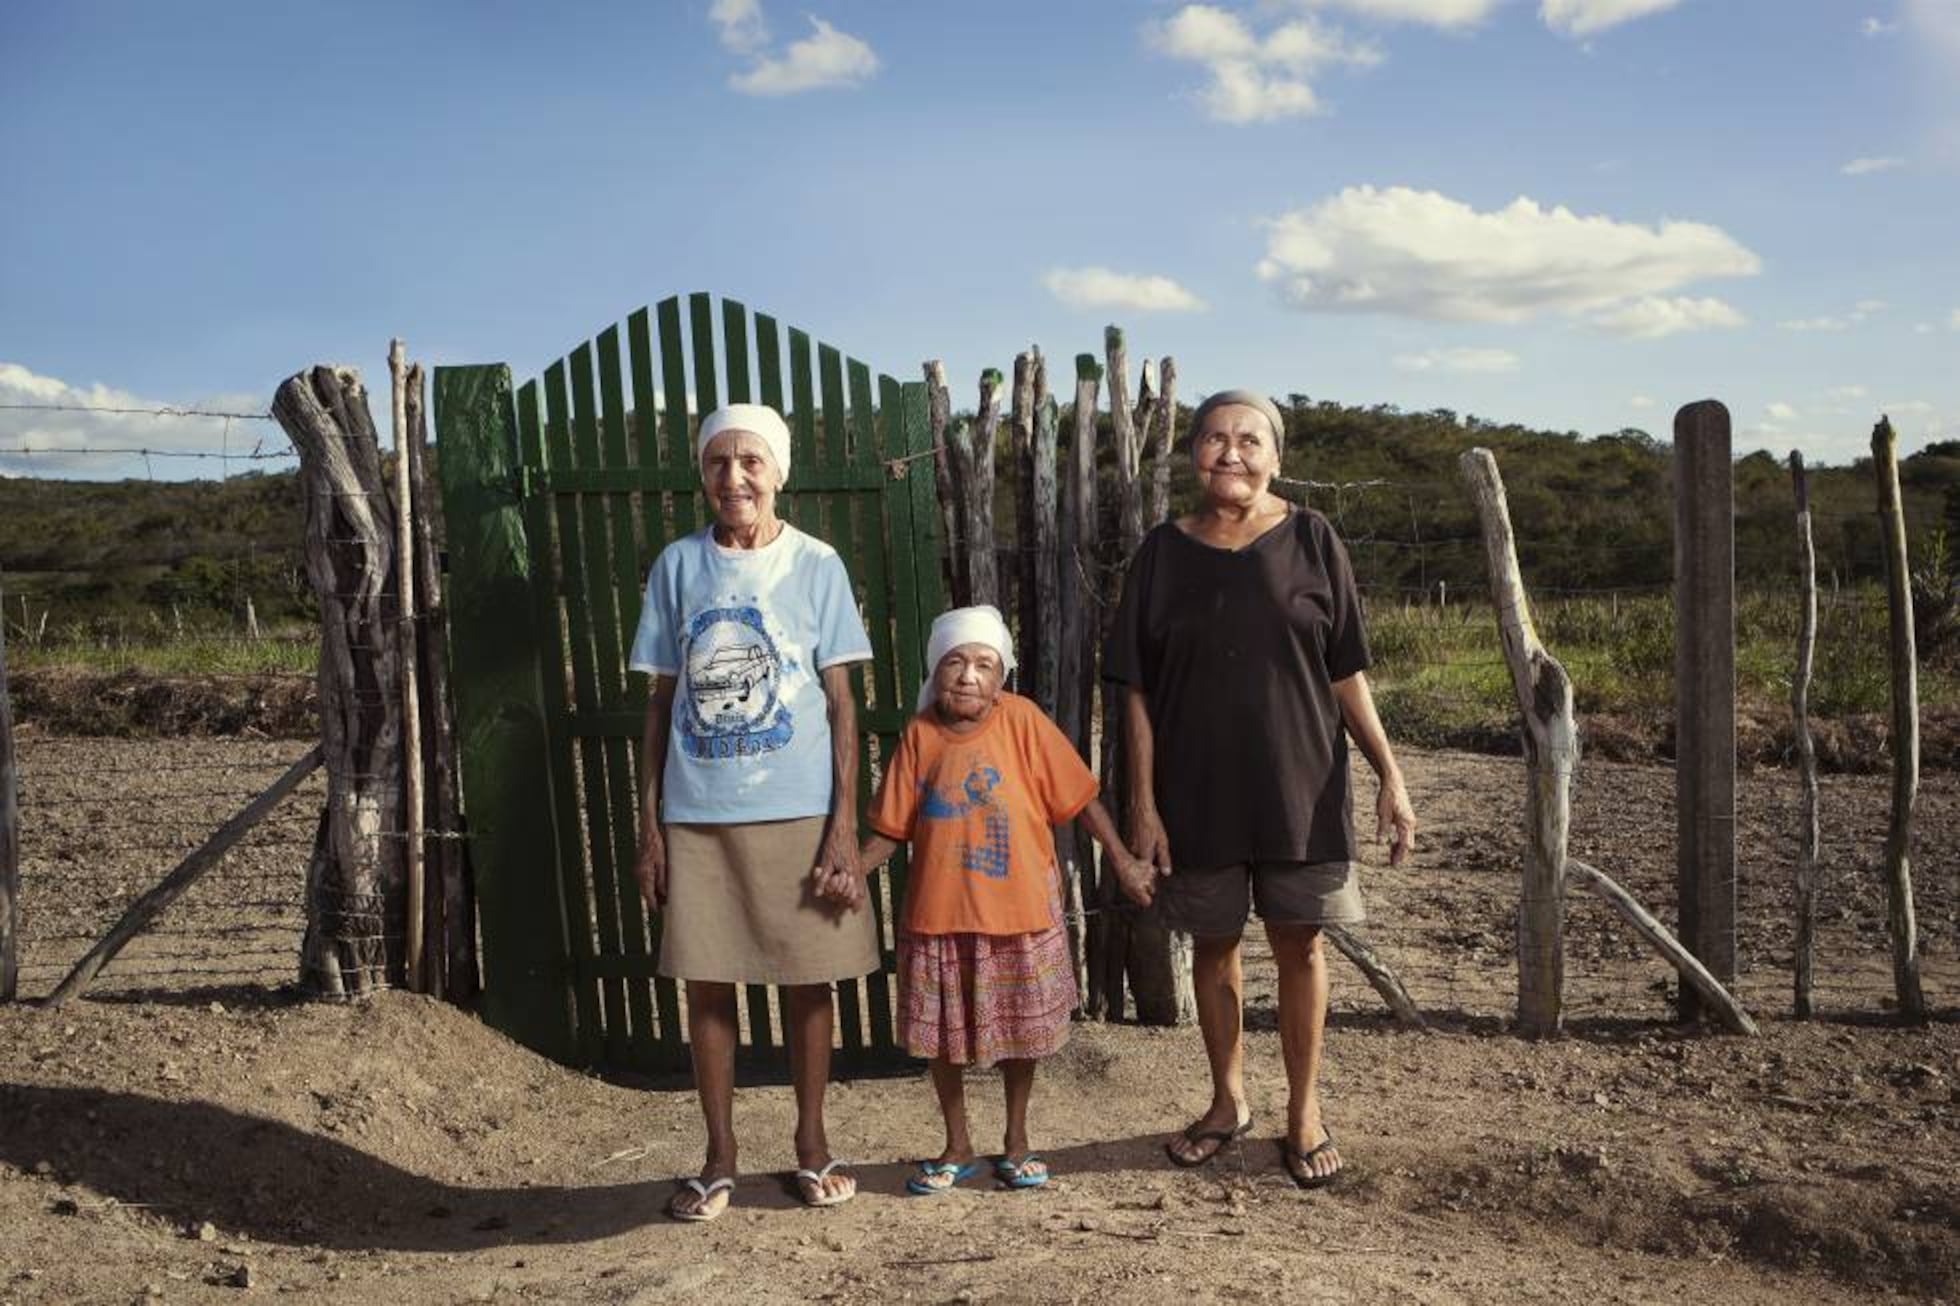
column 977, row 809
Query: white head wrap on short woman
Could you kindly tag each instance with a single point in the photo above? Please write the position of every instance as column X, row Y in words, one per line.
column 980, row 624
column 759, row 420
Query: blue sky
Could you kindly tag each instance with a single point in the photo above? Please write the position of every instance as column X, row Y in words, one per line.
column 1575, row 214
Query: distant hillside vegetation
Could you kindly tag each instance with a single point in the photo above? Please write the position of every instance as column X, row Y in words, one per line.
column 1590, row 513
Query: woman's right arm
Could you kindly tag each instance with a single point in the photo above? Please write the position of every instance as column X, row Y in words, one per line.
column 650, row 867
column 1147, row 838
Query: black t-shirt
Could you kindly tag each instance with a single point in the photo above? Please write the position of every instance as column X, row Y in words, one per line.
column 1237, row 653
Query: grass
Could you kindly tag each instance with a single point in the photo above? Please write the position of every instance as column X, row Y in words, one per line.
column 1439, row 673
column 207, row 653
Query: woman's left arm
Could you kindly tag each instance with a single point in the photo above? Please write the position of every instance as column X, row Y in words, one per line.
column 1392, row 809
column 836, row 872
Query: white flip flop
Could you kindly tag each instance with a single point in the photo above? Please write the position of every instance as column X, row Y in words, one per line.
column 815, row 1178
column 703, row 1213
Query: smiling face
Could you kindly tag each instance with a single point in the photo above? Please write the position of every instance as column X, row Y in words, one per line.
column 966, row 683
column 741, row 478
column 1236, row 455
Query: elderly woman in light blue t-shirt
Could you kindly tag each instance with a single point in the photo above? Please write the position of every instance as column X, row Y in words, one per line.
column 748, row 804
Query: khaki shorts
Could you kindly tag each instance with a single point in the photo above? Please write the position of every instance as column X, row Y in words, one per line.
column 1217, row 901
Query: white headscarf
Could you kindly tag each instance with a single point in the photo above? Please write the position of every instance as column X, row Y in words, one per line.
column 759, row 420
column 981, row 624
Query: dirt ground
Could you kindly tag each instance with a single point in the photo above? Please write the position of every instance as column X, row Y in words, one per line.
column 181, row 1142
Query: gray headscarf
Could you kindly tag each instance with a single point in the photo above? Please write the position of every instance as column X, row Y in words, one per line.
column 1251, row 399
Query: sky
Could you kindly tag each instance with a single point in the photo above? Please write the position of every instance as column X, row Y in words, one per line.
column 1573, row 214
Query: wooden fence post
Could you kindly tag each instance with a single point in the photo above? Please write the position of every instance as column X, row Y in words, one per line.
column 1704, row 690
column 1551, row 745
column 1162, row 437
column 1905, row 729
column 1076, row 662
column 1805, row 953
column 9, row 836
column 1020, row 593
column 978, row 492
column 354, row 878
column 939, row 414
column 405, row 616
column 452, row 916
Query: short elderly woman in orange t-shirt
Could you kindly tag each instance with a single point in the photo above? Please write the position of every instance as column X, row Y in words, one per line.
column 979, row 779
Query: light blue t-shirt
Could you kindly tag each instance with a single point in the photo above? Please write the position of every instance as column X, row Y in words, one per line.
column 746, row 632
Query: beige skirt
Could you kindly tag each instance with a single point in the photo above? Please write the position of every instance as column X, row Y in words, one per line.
column 741, row 908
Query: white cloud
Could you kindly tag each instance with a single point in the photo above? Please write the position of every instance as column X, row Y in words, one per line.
column 1096, row 287
column 1862, row 167
column 1430, row 13
column 1863, row 309
column 1585, row 17
column 1877, row 27
column 1641, row 402
column 743, row 29
column 823, row 60
column 1953, row 320
column 1779, row 411
column 1255, row 79
column 1908, row 408
column 1844, row 393
column 1459, row 360
column 58, row 439
column 1653, row 316
column 1422, row 254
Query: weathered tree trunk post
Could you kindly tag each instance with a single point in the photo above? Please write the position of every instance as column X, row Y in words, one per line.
column 975, row 468
column 1905, row 729
column 1704, row 690
column 939, row 413
column 354, row 883
column 9, row 837
column 1551, row 746
column 1076, row 662
column 1805, row 956
column 412, row 813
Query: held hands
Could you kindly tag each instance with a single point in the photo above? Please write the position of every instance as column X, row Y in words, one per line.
column 1395, row 819
column 837, row 877
column 1147, row 857
column 1136, row 877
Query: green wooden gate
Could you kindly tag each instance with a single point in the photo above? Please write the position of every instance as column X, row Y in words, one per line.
column 557, row 498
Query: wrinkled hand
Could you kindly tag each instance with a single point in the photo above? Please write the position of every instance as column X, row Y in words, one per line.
column 1148, row 841
column 1138, row 880
column 650, row 869
column 836, row 876
column 1395, row 820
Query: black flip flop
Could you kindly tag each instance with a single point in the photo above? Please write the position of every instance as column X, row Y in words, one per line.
column 1310, row 1180
column 1193, row 1134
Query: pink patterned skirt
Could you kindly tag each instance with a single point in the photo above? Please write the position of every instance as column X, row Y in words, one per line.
column 978, row 999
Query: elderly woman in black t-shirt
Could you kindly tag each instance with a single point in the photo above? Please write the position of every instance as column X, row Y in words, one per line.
column 1242, row 656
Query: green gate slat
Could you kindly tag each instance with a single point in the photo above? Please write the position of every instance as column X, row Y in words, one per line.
column 908, row 632
column 501, row 720
column 680, row 441
column 653, row 520
column 925, row 509
column 840, row 525
column 875, row 583
column 769, row 374
column 616, row 684
column 803, row 420
column 735, row 345
column 577, row 572
column 550, row 639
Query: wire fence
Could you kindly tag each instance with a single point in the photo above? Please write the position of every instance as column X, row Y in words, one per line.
column 103, row 819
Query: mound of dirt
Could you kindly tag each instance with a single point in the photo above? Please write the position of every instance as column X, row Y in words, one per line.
column 130, row 704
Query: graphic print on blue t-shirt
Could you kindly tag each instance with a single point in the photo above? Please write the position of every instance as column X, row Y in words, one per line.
column 990, row 856
column 733, row 674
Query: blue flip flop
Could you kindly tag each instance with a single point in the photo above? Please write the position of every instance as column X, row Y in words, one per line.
column 921, row 1185
column 1011, row 1174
